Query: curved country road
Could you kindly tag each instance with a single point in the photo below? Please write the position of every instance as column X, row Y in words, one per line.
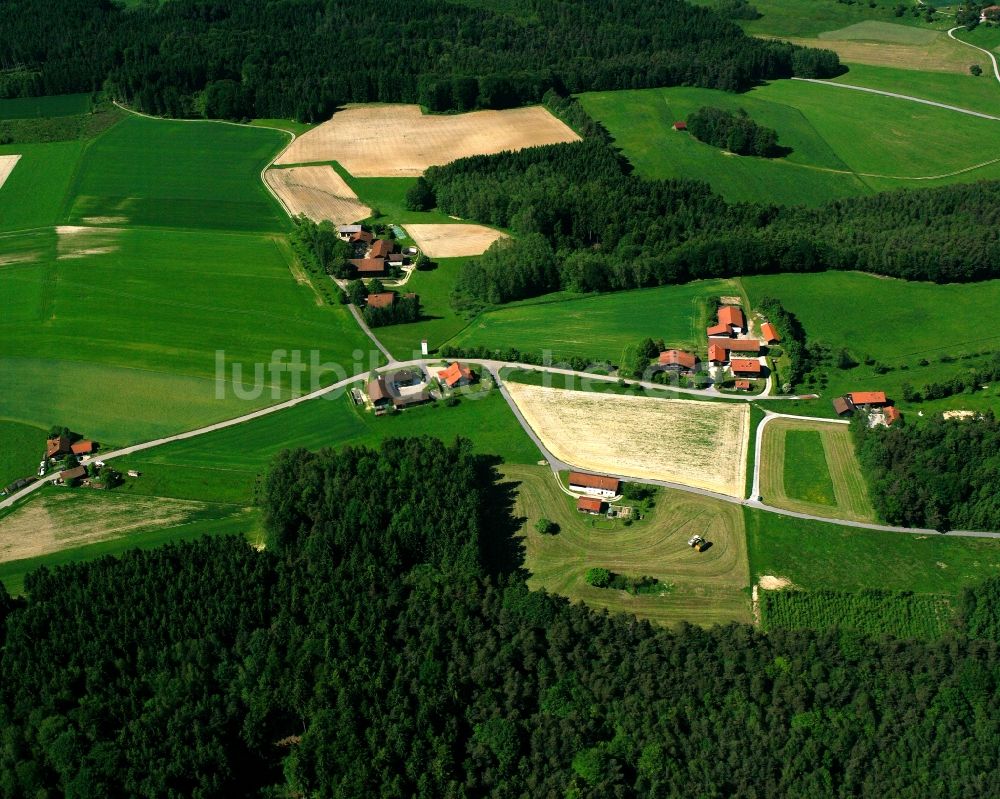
column 993, row 58
column 909, row 97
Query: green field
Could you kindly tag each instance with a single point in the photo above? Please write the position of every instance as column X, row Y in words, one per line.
column 962, row 90
column 817, row 555
column 599, row 326
column 178, row 174
column 874, row 613
column 58, row 105
column 806, row 474
column 222, row 466
column 809, row 18
column 21, row 448
column 896, row 322
column 704, row 588
column 845, row 144
column 34, row 193
column 810, row 467
column 387, row 196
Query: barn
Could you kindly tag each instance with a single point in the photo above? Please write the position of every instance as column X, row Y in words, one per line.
column 598, row 484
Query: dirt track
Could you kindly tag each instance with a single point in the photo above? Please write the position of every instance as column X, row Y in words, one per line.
column 453, row 241
column 400, row 141
column 318, row 192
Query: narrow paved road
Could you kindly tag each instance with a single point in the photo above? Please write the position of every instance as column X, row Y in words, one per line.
column 955, row 108
column 368, row 332
column 993, row 58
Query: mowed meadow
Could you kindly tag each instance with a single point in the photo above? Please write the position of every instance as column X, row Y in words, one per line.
column 153, row 249
column 842, row 142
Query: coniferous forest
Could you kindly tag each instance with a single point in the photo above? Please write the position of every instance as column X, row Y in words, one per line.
column 303, row 58
column 384, row 644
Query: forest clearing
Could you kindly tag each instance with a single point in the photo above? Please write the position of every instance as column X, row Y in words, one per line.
column 692, row 443
column 400, row 141
column 453, row 241
column 318, row 192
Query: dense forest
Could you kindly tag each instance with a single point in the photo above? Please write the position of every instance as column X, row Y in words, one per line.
column 384, row 644
column 609, row 229
column 942, row 474
column 303, row 58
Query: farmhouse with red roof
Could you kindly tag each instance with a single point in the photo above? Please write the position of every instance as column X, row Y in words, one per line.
column 456, row 375
column 875, row 399
column 678, row 360
column 591, row 505
column 769, row 333
column 733, row 316
column 599, row 484
column 746, row 366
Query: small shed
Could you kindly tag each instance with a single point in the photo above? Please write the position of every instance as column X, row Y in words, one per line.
column 591, row 505
column 769, row 333
column 680, row 124
column 843, row 406
column 743, row 385
column 746, row 367
column 381, row 299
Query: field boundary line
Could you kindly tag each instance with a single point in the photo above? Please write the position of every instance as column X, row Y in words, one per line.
column 993, row 58
column 910, row 97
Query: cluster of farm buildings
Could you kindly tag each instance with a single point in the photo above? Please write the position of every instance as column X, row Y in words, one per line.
column 405, row 388
column 874, row 403
column 373, row 257
column 729, row 349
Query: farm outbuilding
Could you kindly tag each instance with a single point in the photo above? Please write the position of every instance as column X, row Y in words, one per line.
column 738, row 344
column 59, row 445
column 678, row 360
column 83, row 447
column 716, row 353
column 381, row 299
column 378, row 393
column 591, row 505
column 72, row 475
column 843, row 406
column 382, row 248
column 456, row 375
column 369, row 267
column 875, row 399
column 598, row 484
column 746, row 366
column 732, row 315
column 719, row 330
column 743, row 385
column 769, row 333
column 680, row 125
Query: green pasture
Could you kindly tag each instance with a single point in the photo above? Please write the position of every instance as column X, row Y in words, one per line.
column 810, row 18
column 387, row 199
column 21, row 448
column 200, row 175
column 223, row 465
column 985, row 36
column 806, row 474
column 34, row 193
column 961, row 90
column 600, row 326
column 57, row 105
column 818, row 555
column 438, row 322
column 898, row 323
column 839, row 140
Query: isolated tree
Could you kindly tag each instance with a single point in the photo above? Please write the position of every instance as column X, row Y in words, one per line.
column 356, row 292
column 976, row 70
column 599, row 578
column 546, row 527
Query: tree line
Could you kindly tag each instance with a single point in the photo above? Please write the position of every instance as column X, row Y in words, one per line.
column 607, row 228
column 940, row 474
column 255, row 58
column 385, row 644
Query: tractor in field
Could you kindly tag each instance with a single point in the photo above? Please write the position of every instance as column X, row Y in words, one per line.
column 697, row 543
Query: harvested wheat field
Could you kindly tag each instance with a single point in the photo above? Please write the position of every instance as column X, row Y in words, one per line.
column 318, row 192
column 692, row 443
column 7, row 164
column 453, row 241
column 400, row 141
column 73, row 518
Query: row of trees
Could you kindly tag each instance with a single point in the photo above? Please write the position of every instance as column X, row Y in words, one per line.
column 590, row 224
column 941, row 474
column 383, row 644
column 256, row 58
column 972, row 380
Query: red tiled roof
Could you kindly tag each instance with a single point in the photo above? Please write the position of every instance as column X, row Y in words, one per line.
column 737, row 344
column 589, row 504
column 742, row 385
column 719, row 330
column 892, row 415
column 381, row 248
column 601, row 481
column 769, row 333
column 678, row 358
column 680, row 125
column 363, row 235
column 368, row 265
column 716, row 353
column 73, row 474
column 83, row 447
column 57, row 446
column 455, row 374
column 382, row 299
column 745, row 366
column 868, row 397
column 731, row 315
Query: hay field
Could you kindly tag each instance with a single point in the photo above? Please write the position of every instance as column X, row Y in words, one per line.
column 401, row 141
column 697, row 444
column 705, row 588
column 68, row 518
column 7, row 164
column 821, row 476
column 318, row 192
column 453, row 241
